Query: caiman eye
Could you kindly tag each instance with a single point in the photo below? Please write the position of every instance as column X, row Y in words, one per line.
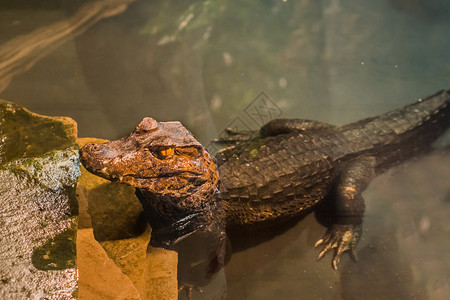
column 164, row 151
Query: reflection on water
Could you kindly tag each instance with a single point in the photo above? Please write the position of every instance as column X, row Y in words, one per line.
column 203, row 62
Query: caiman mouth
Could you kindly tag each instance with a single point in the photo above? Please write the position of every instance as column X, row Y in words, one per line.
column 165, row 175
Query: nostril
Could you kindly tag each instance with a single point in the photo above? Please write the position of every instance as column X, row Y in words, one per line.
column 89, row 150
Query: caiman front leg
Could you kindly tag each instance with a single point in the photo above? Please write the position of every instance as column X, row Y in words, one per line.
column 272, row 128
column 233, row 137
column 346, row 229
column 282, row 126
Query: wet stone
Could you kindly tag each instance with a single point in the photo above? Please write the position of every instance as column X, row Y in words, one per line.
column 26, row 134
column 38, row 210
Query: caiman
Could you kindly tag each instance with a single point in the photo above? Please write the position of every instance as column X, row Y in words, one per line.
column 291, row 167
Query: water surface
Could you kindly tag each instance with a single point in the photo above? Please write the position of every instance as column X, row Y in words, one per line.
column 204, row 62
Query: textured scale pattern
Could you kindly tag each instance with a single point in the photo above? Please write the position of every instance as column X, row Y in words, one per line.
column 261, row 184
column 280, row 176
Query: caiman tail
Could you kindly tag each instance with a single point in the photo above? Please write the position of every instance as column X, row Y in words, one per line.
column 401, row 133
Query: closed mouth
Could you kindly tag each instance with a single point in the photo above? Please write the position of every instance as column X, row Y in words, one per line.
column 165, row 175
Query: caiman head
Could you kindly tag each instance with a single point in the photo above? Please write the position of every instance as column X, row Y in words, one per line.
column 161, row 158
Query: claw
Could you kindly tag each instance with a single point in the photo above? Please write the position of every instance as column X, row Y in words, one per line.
column 321, row 254
column 335, row 262
column 341, row 238
column 318, row 243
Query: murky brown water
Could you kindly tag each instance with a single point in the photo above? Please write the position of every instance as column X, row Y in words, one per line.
column 205, row 62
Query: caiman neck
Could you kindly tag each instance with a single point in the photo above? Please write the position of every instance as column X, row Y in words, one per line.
column 202, row 201
column 173, row 219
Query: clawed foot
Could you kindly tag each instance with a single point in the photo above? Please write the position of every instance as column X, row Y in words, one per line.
column 235, row 137
column 188, row 289
column 341, row 238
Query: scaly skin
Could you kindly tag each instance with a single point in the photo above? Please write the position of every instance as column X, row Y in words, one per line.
column 286, row 171
column 167, row 165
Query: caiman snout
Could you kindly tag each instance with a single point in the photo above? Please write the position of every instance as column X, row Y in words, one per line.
column 93, row 155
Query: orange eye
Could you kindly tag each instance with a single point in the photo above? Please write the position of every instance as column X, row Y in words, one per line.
column 165, row 151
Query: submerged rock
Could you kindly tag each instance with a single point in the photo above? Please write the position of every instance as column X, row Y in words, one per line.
column 38, row 171
column 118, row 263
column 100, row 278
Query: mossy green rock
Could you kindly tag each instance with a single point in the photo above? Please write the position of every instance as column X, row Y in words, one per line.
column 26, row 134
column 39, row 167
